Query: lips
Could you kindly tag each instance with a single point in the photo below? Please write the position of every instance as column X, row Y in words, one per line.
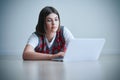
column 54, row 27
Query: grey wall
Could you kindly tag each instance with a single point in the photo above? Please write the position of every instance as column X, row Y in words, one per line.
column 84, row 18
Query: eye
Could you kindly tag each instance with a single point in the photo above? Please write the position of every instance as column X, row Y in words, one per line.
column 49, row 20
column 56, row 19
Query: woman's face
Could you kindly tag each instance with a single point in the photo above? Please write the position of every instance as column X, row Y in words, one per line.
column 52, row 23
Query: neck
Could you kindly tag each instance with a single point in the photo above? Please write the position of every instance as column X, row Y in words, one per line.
column 50, row 36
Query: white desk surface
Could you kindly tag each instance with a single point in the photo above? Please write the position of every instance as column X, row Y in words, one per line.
column 14, row 68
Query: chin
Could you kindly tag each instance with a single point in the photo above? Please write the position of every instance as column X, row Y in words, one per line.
column 55, row 30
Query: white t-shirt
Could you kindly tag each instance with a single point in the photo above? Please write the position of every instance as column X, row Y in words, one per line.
column 34, row 40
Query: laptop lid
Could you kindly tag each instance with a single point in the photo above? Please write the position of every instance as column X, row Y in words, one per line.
column 84, row 49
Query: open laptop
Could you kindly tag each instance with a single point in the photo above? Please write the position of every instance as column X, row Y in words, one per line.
column 83, row 49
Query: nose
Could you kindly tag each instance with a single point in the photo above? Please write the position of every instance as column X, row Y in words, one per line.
column 53, row 22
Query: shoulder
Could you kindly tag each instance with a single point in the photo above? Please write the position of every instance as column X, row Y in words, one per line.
column 33, row 40
column 67, row 33
column 33, row 36
column 64, row 29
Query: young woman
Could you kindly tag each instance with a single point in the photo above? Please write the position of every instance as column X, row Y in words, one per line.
column 50, row 40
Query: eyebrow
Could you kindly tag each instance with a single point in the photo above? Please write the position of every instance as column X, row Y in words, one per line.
column 51, row 18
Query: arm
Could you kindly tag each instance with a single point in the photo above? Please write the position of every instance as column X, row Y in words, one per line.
column 30, row 54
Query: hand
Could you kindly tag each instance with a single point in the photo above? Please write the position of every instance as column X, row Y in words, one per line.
column 60, row 54
column 52, row 56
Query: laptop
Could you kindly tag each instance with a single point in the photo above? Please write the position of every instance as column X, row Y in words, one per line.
column 82, row 50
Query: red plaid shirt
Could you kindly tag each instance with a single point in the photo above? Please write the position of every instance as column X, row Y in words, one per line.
column 57, row 46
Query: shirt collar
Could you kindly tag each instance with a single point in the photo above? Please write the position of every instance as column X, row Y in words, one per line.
column 50, row 43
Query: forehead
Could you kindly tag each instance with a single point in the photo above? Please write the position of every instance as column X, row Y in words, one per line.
column 52, row 15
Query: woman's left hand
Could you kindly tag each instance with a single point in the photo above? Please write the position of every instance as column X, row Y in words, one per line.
column 60, row 54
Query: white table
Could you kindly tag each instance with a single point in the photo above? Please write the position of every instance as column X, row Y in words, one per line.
column 14, row 68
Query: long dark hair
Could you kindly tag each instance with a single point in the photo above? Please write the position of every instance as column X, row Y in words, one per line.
column 40, row 27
